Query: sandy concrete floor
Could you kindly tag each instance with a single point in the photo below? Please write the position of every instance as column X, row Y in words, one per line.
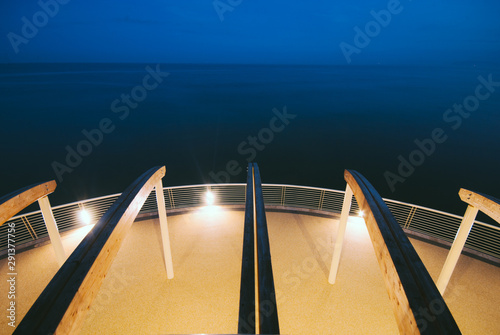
column 136, row 297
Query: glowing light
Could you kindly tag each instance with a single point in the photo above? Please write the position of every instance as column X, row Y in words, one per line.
column 82, row 232
column 209, row 216
column 209, row 198
column 208, row 212
column 357, row 227
column 85, row 217
column 361, row 214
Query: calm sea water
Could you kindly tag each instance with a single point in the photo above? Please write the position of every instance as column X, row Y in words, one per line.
column 200, row 117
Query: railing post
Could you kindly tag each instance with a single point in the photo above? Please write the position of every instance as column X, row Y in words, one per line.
column 50, row 223
column 456, row 248
column 346, row 207
column 162, row 215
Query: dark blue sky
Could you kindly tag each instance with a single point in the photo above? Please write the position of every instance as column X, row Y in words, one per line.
column 252, row 31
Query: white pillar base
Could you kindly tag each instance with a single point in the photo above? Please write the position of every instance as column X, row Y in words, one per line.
column 50, row 223
column 162, row 215
column 346, row 207
column 456, row 248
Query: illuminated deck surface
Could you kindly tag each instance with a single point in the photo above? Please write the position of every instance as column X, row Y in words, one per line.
column 203, row 297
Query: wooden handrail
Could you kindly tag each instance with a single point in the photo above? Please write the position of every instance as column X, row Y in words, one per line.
column 417, row 304
column 246, row 319
column 62, row 306
column 485, row 203
column 14, row 202
column 268, row 309
column 256, row 266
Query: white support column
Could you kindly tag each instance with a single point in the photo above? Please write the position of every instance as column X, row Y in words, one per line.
column 162, row 215
column 456, row 248
column 50, row 223
column 346, row 207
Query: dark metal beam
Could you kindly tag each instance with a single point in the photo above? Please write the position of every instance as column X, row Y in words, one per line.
column 246, row 319
column 267, row 298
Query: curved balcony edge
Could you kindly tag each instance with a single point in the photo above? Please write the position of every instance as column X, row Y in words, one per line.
column 431, row 225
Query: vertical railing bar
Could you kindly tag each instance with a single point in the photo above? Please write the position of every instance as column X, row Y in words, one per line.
column 28, row 227
column 283, row 194
column 409, row 219
column 321, row 197
column 171, row 198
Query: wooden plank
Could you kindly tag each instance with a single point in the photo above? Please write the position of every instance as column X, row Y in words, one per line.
column 417, row 304
column 14, row 202
column 485, row 203
column 62, row 306
column 268, row 310
column 246, row 319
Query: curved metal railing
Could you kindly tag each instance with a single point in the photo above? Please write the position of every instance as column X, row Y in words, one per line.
column 484, row 238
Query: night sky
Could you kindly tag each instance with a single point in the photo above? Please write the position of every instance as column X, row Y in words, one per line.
column 256, row 31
